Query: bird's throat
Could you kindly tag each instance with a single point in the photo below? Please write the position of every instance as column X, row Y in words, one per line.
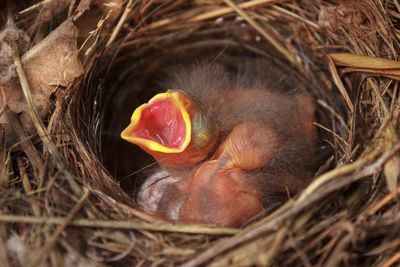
column 174, row 128
column 162, row 122
column 161, row 125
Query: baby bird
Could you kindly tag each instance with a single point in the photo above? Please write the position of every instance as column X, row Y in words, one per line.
column 231, row 143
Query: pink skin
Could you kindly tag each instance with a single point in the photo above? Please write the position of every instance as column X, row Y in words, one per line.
column 219, row 191
column 213, row 196
column 224, row 197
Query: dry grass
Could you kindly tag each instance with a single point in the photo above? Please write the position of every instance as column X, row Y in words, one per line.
column 60, row 205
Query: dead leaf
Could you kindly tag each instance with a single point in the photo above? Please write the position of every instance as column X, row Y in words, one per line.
column 361, row 63
column 392, row 172
column 50, row 64
column 54, row 61
column 338, row 82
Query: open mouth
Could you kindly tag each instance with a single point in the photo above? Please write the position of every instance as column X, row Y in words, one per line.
column 163, row 124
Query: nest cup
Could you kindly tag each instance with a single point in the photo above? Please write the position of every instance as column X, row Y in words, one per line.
column 128, row 71
column 122, row 79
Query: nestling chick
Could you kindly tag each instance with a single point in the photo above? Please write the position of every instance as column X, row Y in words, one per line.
column 228, row 143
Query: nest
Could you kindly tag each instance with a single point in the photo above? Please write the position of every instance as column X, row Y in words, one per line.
column 67, row 186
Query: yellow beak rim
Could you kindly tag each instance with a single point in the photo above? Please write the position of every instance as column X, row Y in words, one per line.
column 178, row 98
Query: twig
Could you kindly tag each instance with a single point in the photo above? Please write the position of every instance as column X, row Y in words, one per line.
column 276, row 245
column 295, row 16
column 43, row 250
column 337, row 254
column 187, row 229
column 337, row 136
column 26, row 143
column 59, row 4
column 126, row 209
column 392, row 260
column 281, row 49
column 381, row 203
column 4, row 160
column 299, row 253
column 217, row 12
column 39, row 124
column 384, row 247
column 334, row 113
column 375, row 89
column 339, row 84
column 120, row 23
column 27, row 186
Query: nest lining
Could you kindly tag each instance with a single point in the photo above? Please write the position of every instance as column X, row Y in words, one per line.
column 330, row 216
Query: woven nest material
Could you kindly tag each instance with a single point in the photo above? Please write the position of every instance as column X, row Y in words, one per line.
column 67, row 188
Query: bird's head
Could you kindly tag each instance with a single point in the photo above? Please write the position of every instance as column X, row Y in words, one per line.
column 174, row 128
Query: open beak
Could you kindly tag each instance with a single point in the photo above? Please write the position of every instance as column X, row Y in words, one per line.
column 173, row 128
